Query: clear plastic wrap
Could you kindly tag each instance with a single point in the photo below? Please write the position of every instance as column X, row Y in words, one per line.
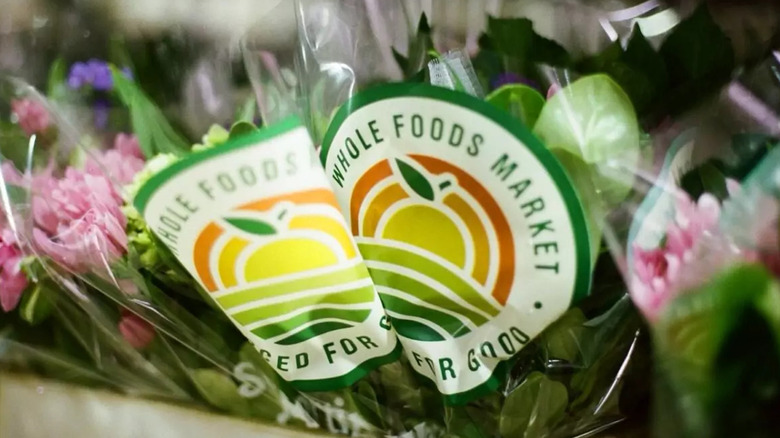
column 701, row 258
column 575, row 104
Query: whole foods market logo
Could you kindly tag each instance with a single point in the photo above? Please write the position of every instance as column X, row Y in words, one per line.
column 430, row 235
column 285, row 268
column 472, row 232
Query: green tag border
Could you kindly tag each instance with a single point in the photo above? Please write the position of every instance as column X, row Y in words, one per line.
column 563, row 183
column 160, row 178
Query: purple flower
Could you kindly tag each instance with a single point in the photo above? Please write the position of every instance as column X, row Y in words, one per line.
column 95, row 73
column 79, row 75
column 508, row 77
column 101, row 75
column 101, row 110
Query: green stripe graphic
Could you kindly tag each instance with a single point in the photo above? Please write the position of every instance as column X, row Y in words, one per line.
column 416, row 330
column 448, row 323
column 364, row 294
column 425, row 266
column 346, row 275
column 422, row 292
column 312, row 331
column 275, row 329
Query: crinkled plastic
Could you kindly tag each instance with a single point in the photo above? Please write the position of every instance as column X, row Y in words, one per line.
column 701, row 258
column 129, row 314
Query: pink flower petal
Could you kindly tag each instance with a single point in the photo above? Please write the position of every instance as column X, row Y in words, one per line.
column 137, row 332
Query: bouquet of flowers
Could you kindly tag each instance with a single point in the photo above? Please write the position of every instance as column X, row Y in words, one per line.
column 446, row 274
column 703, row 264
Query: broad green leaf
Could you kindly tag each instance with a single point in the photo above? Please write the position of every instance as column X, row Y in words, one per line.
column 16, row 194
column 55, row 85
column 154, row 132
column 515, row 39
column 419, row 46
column 522, row 101
column 581, row 176
column 241, row 128
column 36, row 303
column 698, row 49
column 247, row 111
column 220, row 391
column 253, row 226
column 13, row 144
column 534, row 407
column 416, row 180
column 563, row 339
column 593, row 119
column 641, row 56
column 694, row 326
column 368, row 404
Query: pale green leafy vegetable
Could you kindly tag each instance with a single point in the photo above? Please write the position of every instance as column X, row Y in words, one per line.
column 521, row 101
column 594, row 119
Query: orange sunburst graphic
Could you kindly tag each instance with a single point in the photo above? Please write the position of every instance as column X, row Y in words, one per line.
column 285, row 268
column 437, row 244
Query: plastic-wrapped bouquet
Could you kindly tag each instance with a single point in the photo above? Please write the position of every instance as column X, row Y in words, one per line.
column 443, row 275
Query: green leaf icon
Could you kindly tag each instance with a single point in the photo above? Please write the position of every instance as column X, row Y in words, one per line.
column 254, row 226
column 416, row 180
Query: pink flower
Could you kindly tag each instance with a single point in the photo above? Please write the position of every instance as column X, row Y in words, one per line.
column 79, row 220
column 95, row 240
column 658, row 272
column 60, row 201
column 121, row 163
column 9, row 174
column 554, row 88
column 31, row 115
column 135, row 330
column 127, row 145
column 13, row 281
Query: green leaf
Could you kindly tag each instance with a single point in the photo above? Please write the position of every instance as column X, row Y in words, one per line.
column 639, row 69
column 154, row 132
column 13, row 144
column 521, row 101
column 599, row 62
column 418, row 51
column 581, row 176
column 253, row 226
column 697, row 49
column 117, row 52
column 247, row 111
column 533, row 407
column 220, row 391
column 594, row 120
column 36, row 303
column 16, row 194
column 241, row 128
column 641, row 56
column 368, row 405
column 416, row 180
column 563, row 339
column 516, row 39
column 694, row 326
column 55, row 85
